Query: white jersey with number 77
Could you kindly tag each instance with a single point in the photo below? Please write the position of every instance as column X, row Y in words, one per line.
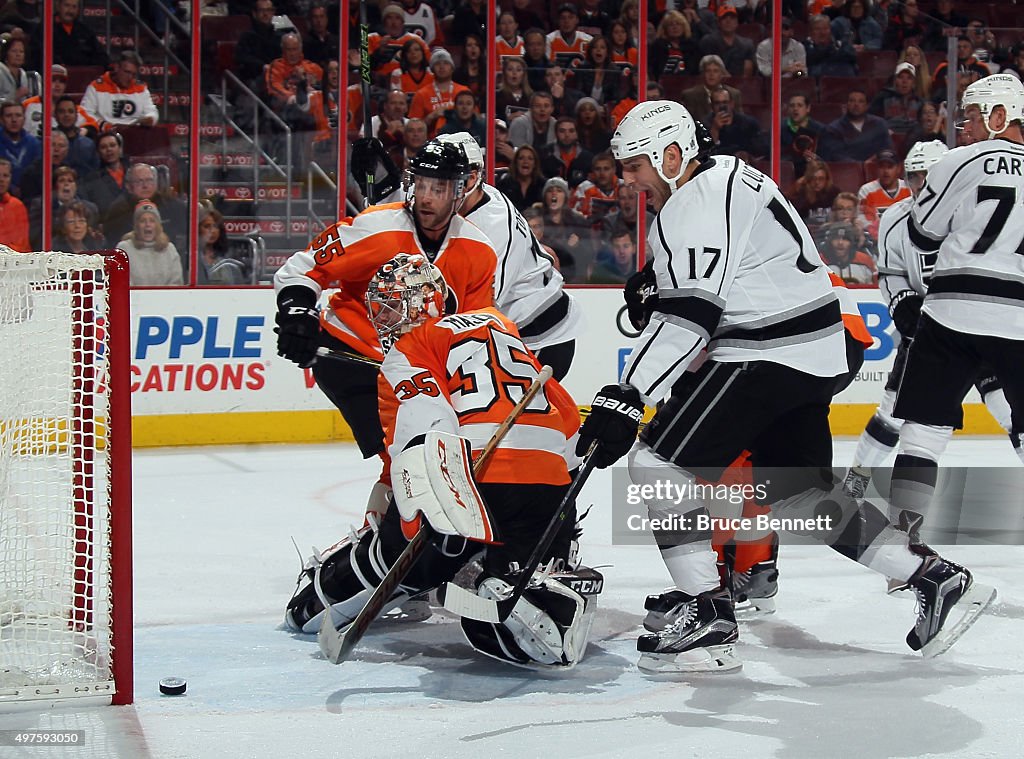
column 971, row 211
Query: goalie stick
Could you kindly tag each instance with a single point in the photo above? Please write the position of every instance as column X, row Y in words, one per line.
column 466, row 603
column 337, row 644
column 364, row 75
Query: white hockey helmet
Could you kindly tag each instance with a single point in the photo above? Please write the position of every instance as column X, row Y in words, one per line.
column 474, row 154
column 649, row 128
column 992, row 91
column 924, row 155
column 404, row 292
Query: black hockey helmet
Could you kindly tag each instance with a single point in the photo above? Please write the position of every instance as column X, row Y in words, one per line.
column 444, row 160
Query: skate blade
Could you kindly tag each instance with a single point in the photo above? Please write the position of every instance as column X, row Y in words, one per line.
column 754, row 608
column 973, row 603
column 712, row 659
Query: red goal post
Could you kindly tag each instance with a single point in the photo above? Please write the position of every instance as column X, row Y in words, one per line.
column 65, row 479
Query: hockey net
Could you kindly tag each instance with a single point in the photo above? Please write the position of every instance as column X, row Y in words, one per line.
column 65, row 478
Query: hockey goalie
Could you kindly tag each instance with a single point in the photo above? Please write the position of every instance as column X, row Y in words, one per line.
column 447, row 381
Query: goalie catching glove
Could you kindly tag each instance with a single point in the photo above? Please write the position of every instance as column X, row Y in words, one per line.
column 298, row 325
column 613, row 423
column 433, row 476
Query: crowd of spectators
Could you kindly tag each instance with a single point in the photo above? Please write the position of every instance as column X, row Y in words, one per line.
column 863, row 81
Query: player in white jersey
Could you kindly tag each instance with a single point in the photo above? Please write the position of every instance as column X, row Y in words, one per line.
column 903, row 277
column 970, row 214
column 527, row 286
column 736, row 271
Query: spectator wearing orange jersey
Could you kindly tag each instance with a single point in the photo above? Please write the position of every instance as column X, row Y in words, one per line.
column 624, row 53
column 508, row 41
column 598, row 196
column 290, row 72
column 430, row 102
column 385, row 47
column 412, row 73
column 13, row 216
column 567, row 45
column 879, row 194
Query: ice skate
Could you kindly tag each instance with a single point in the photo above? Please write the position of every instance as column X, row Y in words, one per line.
column 699, row 639
column 949, row 602
column 754, row 590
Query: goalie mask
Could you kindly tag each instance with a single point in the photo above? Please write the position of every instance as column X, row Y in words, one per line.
column 436, row 183
column 405, row 292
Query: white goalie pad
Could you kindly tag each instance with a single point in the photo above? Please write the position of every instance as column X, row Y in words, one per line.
column 549, row 626
column 435, row 478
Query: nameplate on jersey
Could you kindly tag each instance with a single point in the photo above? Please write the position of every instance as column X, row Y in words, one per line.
column 466, row 322
column 1002, row 165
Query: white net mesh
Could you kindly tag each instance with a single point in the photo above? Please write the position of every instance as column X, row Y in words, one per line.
column 55, row 600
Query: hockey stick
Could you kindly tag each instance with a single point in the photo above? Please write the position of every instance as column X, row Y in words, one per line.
column 354, row 358
column 337, row 644
column 364, row 74
column 465, row 603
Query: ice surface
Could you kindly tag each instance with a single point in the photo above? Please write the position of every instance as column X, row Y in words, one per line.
column 827, row 676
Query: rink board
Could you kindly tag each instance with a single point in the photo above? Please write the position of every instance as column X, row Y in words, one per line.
column 205, row 370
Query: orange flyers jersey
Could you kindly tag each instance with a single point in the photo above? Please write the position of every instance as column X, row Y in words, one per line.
column 853, row 322
column 503, row 47
column 428, row 99
column 348, row 254
column 567, row 53
column 408, row 83
column 874, row 199
column 625, row 59
column 392, row 47
column 590, row 200
column 462, row 374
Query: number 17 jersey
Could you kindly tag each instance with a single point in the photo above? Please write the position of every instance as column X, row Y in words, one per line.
column 971, row 211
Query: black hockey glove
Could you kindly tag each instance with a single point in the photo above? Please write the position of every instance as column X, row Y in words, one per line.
column 367, row 154
column 905, row 310
column 298, row 325
column 614, row 420
column 641, row 296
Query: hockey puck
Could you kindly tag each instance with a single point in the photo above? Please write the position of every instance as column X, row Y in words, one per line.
column 173, row 686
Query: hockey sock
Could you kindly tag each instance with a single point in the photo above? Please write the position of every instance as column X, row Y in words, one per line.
column 693, row 567
column 999, row 407
column 880, row 435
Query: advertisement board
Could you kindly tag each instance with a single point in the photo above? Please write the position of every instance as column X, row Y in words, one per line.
column 205, row 368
